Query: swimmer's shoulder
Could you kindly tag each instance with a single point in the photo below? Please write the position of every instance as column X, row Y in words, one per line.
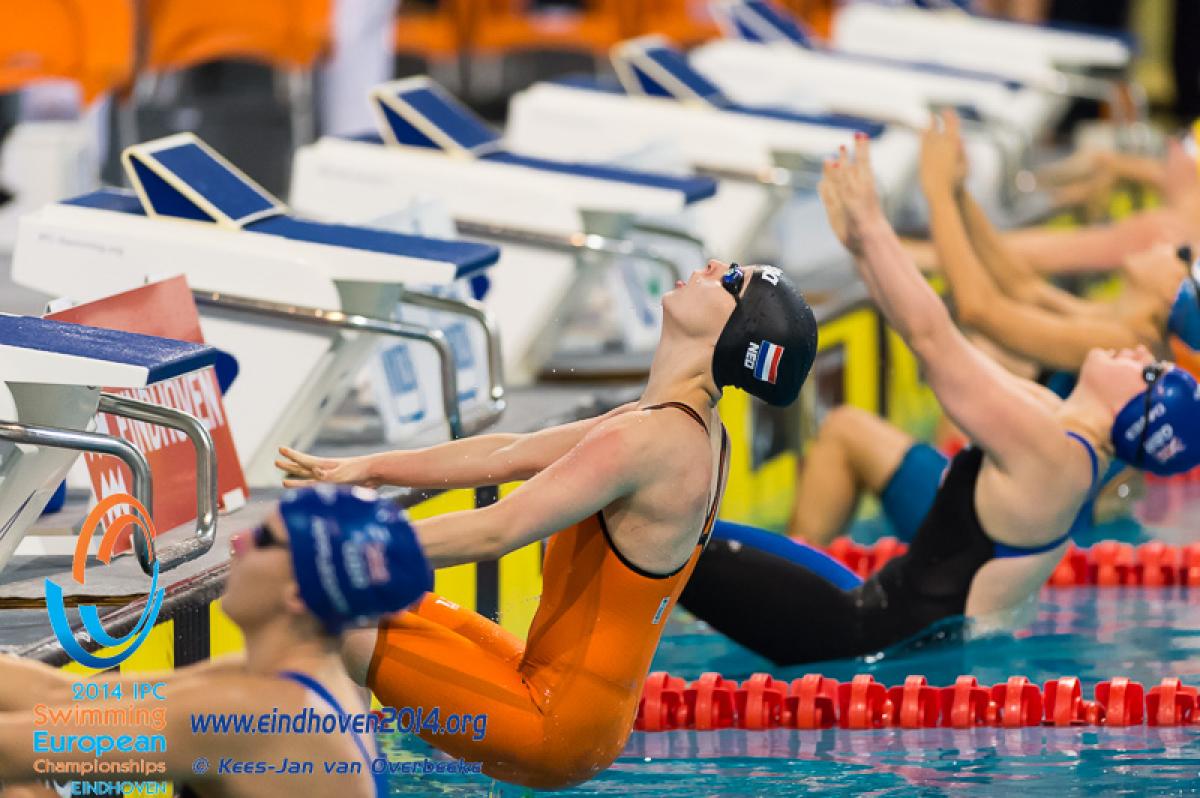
column 658, row 442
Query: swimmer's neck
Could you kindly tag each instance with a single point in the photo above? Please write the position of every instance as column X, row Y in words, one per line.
column 1086, row 415
column 278, row 646
column 681, row 372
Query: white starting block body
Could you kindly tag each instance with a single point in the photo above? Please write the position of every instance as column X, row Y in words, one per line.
column 430, row 145
column 52, row 372
column 196, row 214
column 664, row 103
column 1030, row 53
column 768, row 57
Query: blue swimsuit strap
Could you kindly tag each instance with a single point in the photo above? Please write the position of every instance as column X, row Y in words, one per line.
column 323, row 693
column 1002, row 550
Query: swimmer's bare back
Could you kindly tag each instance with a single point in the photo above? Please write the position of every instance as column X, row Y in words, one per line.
column 639, row 493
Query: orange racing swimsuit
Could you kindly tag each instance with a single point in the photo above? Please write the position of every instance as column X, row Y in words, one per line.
column 559, row 706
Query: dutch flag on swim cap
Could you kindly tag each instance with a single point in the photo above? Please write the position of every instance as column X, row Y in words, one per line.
column 770, row 340
column 766, row 367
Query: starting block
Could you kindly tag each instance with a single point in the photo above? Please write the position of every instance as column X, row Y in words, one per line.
column 297, row 302
column 769, row 58
column 51, row 370
column 556, row 218
column 1052, row 59
column 763, row 155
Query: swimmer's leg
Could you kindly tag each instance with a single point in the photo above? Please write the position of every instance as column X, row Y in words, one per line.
column 910, row 491
column 418, row 662
column 789, row 549
column 777, row 608
column 854, row 450
column 358, row 646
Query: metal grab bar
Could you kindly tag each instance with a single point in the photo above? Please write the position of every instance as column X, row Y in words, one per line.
column 666, row 231
column 771, row 176
column 77, row 440
column 477, row 311
column 206, row 472
column 336, row 319
column 571, row 242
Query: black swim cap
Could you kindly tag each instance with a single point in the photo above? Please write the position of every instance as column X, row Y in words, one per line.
column 769, row 343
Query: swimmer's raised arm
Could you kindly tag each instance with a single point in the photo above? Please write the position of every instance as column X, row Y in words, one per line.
column 613, row 460
column 1013, row 274
column 980, row 397
column 1025, row 329
column 466, row 463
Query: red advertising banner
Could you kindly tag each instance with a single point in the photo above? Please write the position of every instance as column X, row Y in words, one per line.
column 164, row 309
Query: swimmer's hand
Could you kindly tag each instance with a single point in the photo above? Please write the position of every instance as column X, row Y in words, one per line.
column 304, row 469
column 848, row 192
column 943, row 158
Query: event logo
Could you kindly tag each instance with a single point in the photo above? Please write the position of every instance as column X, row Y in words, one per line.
column 56, row 606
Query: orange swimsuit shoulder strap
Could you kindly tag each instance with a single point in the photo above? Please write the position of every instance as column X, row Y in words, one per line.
column 681, row 406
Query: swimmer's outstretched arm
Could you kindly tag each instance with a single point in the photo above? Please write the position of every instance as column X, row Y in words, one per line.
column 613, row 459
column 988, row 403
column 466, row 463
column 1026, row 330
column 1012, row 273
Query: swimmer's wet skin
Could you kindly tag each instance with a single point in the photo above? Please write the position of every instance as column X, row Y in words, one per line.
column 627, row 516
column 999, row 521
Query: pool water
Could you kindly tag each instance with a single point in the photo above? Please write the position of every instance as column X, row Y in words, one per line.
column 1092, row 633
column 1145, row 634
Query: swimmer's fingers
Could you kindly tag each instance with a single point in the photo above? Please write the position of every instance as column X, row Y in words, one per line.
column 304, row 466
column 862, row 152
column 304, row 461
column 832, row 199
column 950, row 123
column 298, row 483
column 293, row 470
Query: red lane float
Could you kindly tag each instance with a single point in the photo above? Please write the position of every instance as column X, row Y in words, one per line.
column 1106, row 564
column 816, row 702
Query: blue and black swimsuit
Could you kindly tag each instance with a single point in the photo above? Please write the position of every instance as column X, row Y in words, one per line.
column 793, row 604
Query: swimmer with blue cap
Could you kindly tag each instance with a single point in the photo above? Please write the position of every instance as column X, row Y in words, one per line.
column 1028, row 322
column 999, row 521
column 330, row 558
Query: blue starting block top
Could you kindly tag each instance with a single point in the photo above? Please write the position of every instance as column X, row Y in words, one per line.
column 162, row 358
column 181, row 177
column 762, row 22
column 649, row 66
column 416, row 112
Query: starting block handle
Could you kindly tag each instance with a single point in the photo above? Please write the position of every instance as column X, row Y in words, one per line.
column 336, row 319
column 206, row 472
column 479, row 313
column 97, row 443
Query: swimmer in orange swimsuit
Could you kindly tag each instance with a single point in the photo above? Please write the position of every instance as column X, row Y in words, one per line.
column 627, row 500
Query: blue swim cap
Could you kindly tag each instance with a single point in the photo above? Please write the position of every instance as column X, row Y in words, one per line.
column 355, row 555
column 1184, row 320
column 1159, row 429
